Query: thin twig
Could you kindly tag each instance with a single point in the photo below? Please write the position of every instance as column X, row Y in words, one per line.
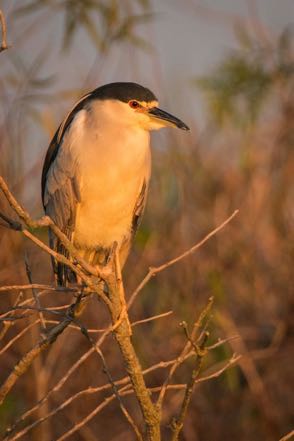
column 62, row 381
column 177, row 423
column 4, row 44
column 25, row 362
column 81, row 423
column 38, row 286
column 21, row 367
column 113, row 385
column 45, row 221
column 51, row 310
column 136, row 323
column 123, row 392
column 233, row 360
column 150, row 319
column 8, row 324
column 125, row 381
column 155, row 270
column 288, row 436
column 62, row 259
column 179, row 360
column 35, row 296
column 17, row 336
column 116, row 393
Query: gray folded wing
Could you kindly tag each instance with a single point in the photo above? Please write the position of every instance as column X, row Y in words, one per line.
column 60, row 190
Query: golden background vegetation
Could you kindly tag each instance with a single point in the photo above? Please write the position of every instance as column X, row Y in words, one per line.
column 241, row 158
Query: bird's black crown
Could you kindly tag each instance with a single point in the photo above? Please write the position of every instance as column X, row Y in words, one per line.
column 123, row 92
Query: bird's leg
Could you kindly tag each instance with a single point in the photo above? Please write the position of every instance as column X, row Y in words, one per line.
column 83, row 298
column 86, row 292
column 110, row 262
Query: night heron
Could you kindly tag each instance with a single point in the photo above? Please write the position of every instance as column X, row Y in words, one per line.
column 97, row 169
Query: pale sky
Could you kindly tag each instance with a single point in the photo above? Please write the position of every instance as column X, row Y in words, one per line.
column 187, row 41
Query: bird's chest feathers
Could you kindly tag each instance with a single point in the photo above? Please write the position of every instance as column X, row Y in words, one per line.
column 116, row 157
column 113, row 166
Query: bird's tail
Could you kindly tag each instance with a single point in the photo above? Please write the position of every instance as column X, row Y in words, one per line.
column 65, row 275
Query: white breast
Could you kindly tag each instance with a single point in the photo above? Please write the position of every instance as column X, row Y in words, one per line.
column 113, row 164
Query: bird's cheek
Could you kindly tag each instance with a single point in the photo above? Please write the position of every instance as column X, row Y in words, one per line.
column 144, row 121
column 156, row 124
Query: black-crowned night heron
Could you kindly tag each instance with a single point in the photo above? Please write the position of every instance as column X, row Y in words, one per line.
column 97, row 169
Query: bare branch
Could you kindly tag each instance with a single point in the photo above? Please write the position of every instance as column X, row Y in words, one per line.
column 177, row 423
column 63, row 380
column 51, row 310
column 17, row 336
column 187, row 348
column 116, row 393
column 287, row 437
column 127, row 391
column 37, row 286
column 21, row 367
column 35, row 296
column 122, row 382
column 155, row 270
column 8, row 324
column 45, row 221
column 4, row 44
column 233, row 360
column 122, row 334
column 150, row 319
column 136, row 323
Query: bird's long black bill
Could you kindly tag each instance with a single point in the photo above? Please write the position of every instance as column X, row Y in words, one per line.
column 161, row 114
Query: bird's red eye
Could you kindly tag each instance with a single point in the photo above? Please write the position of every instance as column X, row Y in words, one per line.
column 134, row 104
